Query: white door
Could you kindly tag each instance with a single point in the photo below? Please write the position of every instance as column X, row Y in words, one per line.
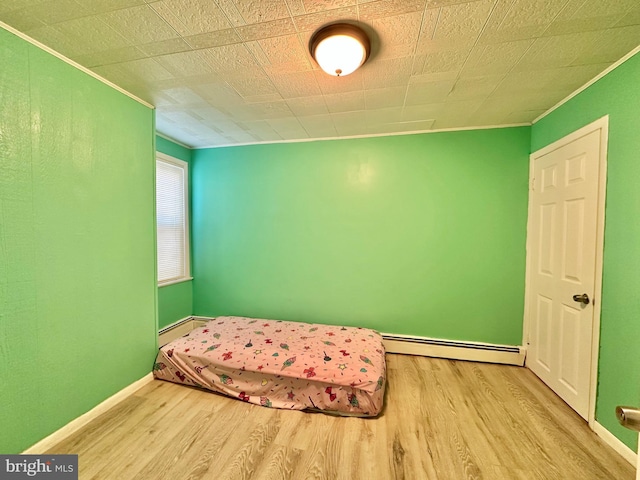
column 561, row 278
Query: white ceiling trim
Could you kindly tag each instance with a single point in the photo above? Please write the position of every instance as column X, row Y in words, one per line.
column 374, row 135
column 602, row 74
column 177, row 142
column 67, row 60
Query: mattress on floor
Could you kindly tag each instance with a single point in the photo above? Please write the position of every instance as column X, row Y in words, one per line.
column 281, row 364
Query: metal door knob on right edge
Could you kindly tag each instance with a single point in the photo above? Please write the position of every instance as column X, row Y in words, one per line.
column 629, row 417
column 584, row 298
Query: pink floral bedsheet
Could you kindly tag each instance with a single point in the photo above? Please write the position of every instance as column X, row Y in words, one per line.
column 281, row 364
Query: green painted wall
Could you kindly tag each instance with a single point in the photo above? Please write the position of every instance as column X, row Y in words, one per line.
column 618, row 96
column 416, row 234
column 175, row 302
column 77, row 256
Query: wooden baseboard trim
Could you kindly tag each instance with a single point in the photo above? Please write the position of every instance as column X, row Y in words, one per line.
column 59, row 435
column 613, row 441
column 454, row 350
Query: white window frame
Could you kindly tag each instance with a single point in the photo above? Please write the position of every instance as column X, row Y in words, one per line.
column 161, row 157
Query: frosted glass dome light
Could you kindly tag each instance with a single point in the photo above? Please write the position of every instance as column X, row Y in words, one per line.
column 340, row 49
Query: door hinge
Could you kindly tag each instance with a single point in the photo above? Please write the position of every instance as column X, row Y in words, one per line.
column 532, row 185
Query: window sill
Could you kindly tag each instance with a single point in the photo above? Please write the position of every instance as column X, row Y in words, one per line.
column 174, row 281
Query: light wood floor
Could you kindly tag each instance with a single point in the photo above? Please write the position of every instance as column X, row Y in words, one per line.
column 443, row 420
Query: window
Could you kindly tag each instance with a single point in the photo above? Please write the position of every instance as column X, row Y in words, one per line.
column 172, row 212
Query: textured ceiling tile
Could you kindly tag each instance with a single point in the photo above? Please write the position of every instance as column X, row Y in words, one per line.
column 611, row 45
column 573, row 77
column 345, row 102
column 225, row 95
column 384, row 116
column 474, row 88
column 288, row 127
column 401, row 127
column 307, row 106
column 285, row 50
column 318, row 126
column 416, row 113
column 350, row 123
column 274, row 28
column 257, row 52
column 447, row 61
column 384, row 97
column 520, row 19
column 263, row 130
column 631, row 18
column 427, row 29
column 192, row 17
column 445, row 3
column 146, row 70
column 102, row 36
column 257, row 111
column 525, row 82
column 262, row 97
column 116, row 74
column 8, row 5
column 31, row 16
column 298, row 84
column 127, row 23
column 387, row 73
column 522, row 116
column 160, row 100
column 285, row 68
column 107, row 57
column 22, row 19
column 582, row 25
column 559, row 51
column 213, row 39
column 210, row 114
column 434, row 92
column 399, row 29
column 330, row 84
column 229, row 57
column 100, row 6
column 462, row 20
column 384, row 8
column 185, row 64
column 184, row 96
column 50, row 36
column 433, row 77
column 607, row 13
column 394, row 51
column 218, row 94
column 314, row 21
column 456, row 114
column 257, row 11
column 252, row 86
column 495, row 58
column 231, row 12
column 296, row 7
column 165, row 47
column 313, row 6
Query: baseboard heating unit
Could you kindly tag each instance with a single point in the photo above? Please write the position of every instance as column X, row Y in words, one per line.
column 455, row 350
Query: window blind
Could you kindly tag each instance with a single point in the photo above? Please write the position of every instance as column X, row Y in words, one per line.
column 171, row 220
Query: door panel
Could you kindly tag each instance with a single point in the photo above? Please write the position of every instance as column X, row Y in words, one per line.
column 562, row 246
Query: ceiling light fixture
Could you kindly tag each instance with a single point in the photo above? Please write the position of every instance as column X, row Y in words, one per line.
column 340, row 48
